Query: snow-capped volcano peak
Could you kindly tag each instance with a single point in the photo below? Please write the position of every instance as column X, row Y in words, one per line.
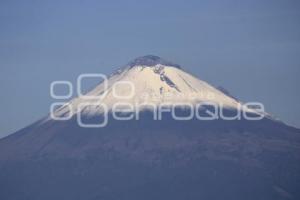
column 149, row 80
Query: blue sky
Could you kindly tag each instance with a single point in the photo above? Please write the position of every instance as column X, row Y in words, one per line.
column 251, row 48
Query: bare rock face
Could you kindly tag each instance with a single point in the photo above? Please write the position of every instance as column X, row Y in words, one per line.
column 151, row 60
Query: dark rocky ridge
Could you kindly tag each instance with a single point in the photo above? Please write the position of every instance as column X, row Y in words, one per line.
column 151, row 60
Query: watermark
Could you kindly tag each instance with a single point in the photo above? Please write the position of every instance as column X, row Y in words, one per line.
column 118, row 100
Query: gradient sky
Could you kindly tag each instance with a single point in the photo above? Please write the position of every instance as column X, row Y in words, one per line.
column 251, row 48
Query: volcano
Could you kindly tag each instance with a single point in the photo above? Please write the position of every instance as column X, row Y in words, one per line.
column 144, row 152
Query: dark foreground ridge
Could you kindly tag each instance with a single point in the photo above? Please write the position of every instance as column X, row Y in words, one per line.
column 147, row 159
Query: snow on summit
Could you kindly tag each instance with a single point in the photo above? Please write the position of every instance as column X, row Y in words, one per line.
column 148, row 80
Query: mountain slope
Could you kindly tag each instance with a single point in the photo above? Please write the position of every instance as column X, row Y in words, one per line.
column 152, row 159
